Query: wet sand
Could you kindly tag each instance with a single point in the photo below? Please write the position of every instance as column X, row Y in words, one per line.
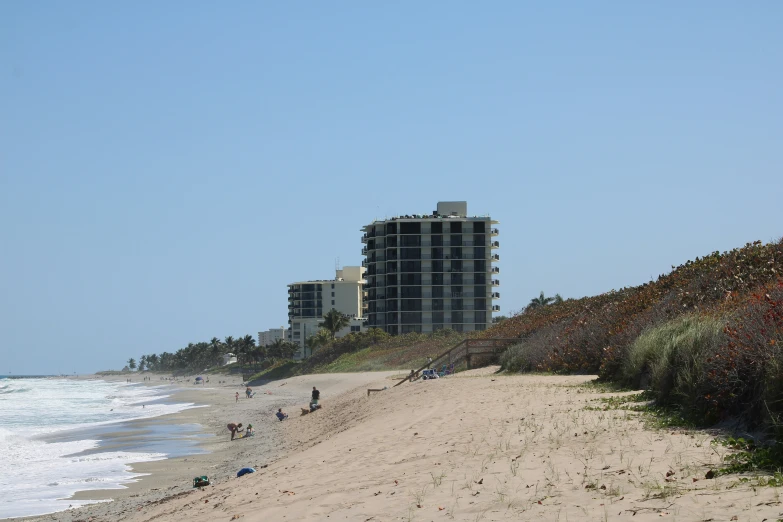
column 206, row 442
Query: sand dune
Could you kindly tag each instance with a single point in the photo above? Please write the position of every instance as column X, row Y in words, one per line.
column 470, row 447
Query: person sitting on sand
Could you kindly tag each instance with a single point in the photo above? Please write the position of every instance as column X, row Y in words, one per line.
column 235, row 428
column 249, row 432
column 314, row 399
column 248, row 392
column 280, row 415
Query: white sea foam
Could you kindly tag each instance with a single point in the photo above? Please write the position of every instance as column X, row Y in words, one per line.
column 38, row 476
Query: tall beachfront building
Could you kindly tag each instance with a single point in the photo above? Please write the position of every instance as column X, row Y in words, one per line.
column 308, row 301
column 429, row 272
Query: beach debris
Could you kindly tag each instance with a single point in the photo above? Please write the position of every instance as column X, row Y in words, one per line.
column 710, row 474
column 200, row 482
column 245, row 471
column 236, row 517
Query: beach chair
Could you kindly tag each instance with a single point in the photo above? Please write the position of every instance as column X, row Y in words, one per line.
column 443, row 371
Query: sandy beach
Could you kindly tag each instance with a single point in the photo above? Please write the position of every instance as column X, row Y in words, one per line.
column 476, row 446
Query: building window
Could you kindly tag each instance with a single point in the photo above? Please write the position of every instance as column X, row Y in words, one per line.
column 297, row 325
column 356, row 328
column 332, row 295
column 332, row 302
column 332, row 287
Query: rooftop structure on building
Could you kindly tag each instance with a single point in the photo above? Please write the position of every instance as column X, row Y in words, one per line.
column 308, row 301
column 432, row 271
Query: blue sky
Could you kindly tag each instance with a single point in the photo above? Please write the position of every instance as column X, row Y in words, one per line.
column 166, row 169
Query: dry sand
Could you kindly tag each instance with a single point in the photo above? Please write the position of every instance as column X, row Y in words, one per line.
column 475, row 446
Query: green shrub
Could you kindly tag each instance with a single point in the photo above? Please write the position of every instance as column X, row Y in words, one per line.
column 670, row 359
column 516, row 358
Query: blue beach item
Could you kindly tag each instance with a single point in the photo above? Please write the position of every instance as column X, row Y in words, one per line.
column 245, row 471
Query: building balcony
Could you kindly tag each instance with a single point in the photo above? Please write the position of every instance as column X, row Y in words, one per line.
column 496, row 282
column 495, row 308
column 494, row 257
column 494, row 232
column 364, row 262
column 495, row 244
column 364, row 251
column 494, row 270
column 495, row 295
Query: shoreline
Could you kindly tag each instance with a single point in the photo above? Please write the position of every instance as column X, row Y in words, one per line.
column 215, row 454
column 474, row 446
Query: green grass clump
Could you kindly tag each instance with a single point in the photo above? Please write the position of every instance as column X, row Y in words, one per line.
column 669, row 359
column 516, row 358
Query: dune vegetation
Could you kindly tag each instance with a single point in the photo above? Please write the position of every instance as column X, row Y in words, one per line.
column 704, row 338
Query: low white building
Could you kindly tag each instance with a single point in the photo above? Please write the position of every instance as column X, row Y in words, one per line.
column 229, row 358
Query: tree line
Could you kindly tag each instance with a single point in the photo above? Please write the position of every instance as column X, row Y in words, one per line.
column 206, row 354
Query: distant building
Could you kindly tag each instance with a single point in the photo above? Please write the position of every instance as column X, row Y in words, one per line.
column 429, row 272
column 229, row 358
column 270, row 336
column 308, row 301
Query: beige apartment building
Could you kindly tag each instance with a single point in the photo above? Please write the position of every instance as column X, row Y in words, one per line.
column 433, row 271
column 308, row 301
column 270, row 336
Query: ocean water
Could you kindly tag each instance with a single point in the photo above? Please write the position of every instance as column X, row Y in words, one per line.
column 43, row 463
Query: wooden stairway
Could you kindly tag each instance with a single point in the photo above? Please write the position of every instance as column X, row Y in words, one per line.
column 467, row 349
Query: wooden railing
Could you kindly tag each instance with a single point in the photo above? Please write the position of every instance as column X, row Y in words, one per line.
column 467, row 349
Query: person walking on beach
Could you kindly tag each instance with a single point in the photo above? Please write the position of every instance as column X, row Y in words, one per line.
column 237, row 397
column 234, row 429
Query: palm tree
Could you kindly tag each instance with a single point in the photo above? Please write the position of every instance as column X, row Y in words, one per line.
column 216, row 351
column 321, row 338
column 540, row 301
column 557, row 299
column 132, row 363
column 142, row 363
column 334, row 321
column 246, row 346
column 282, row 349
column 152, row 361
